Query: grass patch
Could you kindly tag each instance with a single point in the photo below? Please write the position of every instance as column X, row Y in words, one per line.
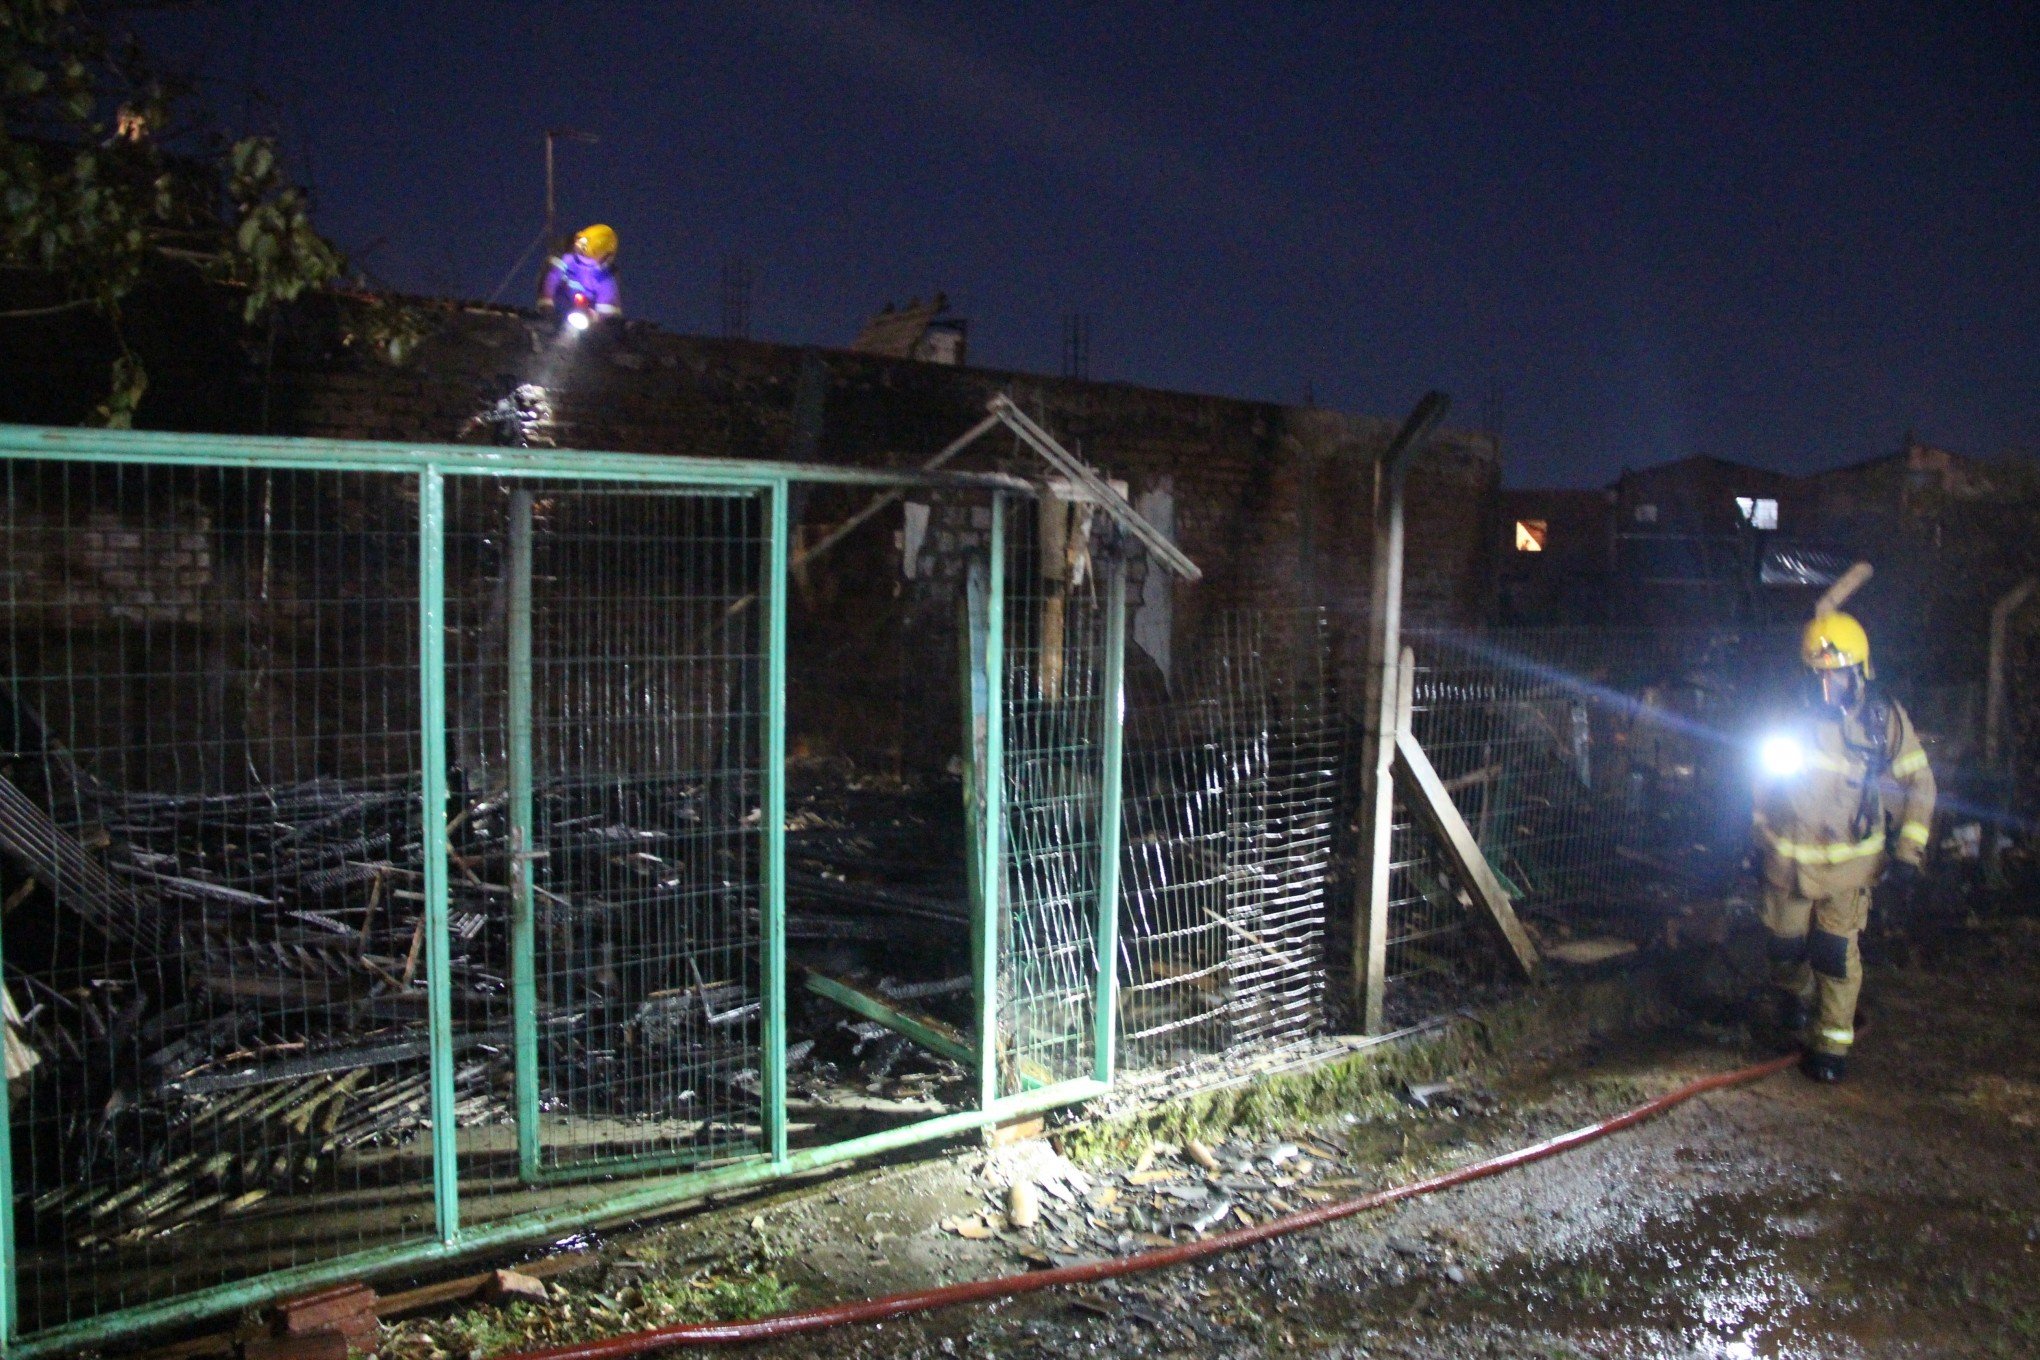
column 575, row 1314
column 1367, row 1083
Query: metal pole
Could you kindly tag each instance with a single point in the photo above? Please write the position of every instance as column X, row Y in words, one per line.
column 773, row 962
column 991, row 859
column 1994, row 758
column 8, row 1313
column 432, row 741
column 1111, row 746
column 552, row 135
column 971, row 654
column 523, row 842
column 1384, row 643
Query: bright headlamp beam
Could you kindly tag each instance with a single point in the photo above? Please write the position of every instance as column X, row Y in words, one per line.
column 1781, row 756
column 577, row 320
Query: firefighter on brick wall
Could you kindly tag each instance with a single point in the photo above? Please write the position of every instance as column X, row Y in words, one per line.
column 1845, row 795
column 580, row 286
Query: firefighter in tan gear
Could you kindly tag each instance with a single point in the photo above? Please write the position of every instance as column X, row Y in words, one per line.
column 1845, row 795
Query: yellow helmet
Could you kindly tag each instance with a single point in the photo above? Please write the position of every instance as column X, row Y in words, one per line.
column 1833, row 642
column 598, row 243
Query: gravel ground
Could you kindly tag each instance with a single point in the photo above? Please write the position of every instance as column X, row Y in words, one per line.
column 1895, row 1215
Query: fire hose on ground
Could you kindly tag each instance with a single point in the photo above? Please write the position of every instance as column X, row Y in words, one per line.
column 973, row 1291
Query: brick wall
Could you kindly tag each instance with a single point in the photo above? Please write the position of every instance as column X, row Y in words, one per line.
column 1273, row 502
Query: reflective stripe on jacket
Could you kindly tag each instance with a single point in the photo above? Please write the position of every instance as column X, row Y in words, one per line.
column 1807, row 824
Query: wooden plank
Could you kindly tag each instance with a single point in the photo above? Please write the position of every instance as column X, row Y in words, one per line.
column 1431, row 802
column 467, row 1287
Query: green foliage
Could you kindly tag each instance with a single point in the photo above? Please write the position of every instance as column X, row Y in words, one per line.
column 578, row 1314
column 130, row 382
column 387, row 329
column 1588, row 1285
column 80, row 199
column 274, row 250
column 90, row 195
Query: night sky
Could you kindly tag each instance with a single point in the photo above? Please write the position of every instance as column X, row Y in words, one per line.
column 1622, row 234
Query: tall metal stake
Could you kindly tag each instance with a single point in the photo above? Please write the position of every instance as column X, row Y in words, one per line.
column 8, row 1316
column 1384, row 642
column 523, row 845
column 1111, row 750
column 991, row 893
column 432, row 741
column 773, row 911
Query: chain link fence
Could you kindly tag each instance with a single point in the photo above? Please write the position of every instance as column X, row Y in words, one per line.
column 1604, row 773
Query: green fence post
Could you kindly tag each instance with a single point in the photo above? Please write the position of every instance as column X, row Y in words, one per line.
column 7, row 1301
column 971, row 662
column 991, row 859
column 432, row 741
column 523, row 843
column 1111, row 749
column 772, row 963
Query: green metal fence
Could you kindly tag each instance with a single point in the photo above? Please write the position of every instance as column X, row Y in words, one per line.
column 394, row 849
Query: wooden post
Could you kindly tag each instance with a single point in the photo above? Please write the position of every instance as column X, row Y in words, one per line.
column 1052, row 532
column 1384, row 644
column 1434, row 806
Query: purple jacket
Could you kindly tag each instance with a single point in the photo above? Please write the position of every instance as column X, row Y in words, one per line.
column 576, row 273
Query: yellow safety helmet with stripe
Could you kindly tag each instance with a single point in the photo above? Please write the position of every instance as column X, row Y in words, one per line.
column 598, row 243
column 1834, row 642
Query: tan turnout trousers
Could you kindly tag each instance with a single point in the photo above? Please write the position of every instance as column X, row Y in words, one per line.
column 1815, row 955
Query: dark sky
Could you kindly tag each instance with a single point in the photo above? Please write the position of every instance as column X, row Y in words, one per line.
column 1620, row 234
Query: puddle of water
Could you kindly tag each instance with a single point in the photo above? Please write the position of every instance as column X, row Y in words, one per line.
column 1775, row 1276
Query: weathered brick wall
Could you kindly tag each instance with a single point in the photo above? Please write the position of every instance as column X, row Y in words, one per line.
column 111, row 566
column 1274, row 503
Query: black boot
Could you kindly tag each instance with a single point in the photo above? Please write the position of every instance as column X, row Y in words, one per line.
column 1826, row 1068
column 1786, row 1021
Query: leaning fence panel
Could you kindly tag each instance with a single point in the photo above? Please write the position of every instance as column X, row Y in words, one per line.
column 215, row 971
column 1054, row 639
column 1233, row 790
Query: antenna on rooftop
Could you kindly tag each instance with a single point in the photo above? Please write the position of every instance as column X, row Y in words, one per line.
column 559, row 135
column 1076, row 351
column 737, row 280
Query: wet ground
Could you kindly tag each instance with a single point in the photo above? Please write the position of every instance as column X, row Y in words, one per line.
column 1895, row 1215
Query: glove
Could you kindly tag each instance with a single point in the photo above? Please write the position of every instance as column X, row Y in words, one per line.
column 1903, row 875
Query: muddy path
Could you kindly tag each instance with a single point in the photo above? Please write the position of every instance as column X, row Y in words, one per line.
column 1895, row 1215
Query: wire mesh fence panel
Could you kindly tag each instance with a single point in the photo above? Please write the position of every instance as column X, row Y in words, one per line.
column 263, row 723
column 879, row 899
column 1054, row 716
column 209, row 852
column 1602, row 771
column 1233, row 785
column 626, row 622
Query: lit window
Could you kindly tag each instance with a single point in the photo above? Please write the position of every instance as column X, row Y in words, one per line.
column 1760, row 511
column 1646, row 513
column 1530, row 535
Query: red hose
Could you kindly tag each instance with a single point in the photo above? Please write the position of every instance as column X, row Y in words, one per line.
column 921, row 1300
